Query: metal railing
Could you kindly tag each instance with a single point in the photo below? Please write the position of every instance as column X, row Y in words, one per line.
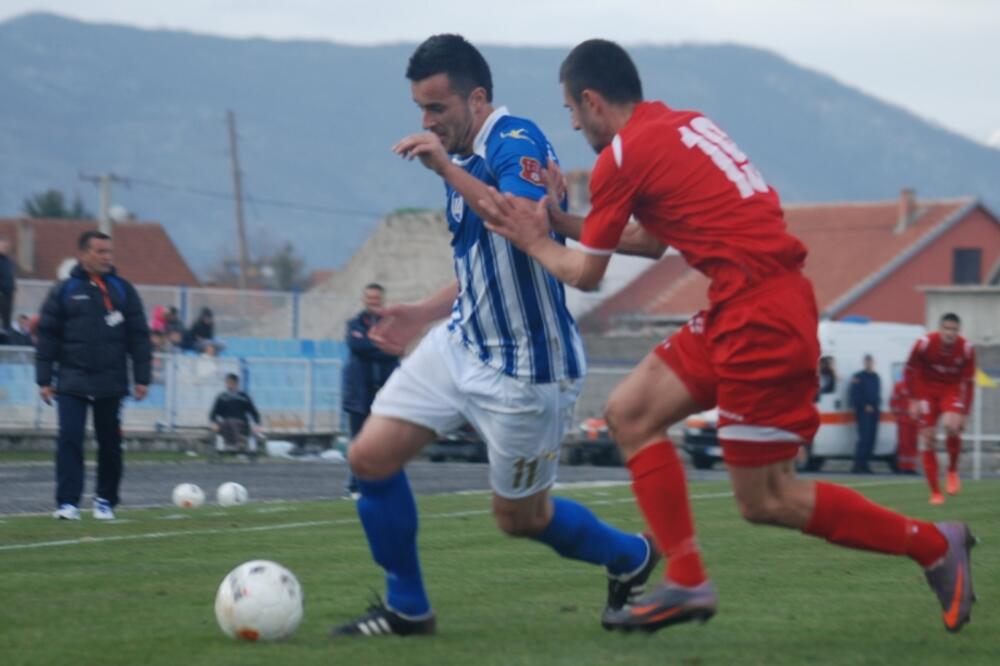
column 292, row 395
column 272, row 314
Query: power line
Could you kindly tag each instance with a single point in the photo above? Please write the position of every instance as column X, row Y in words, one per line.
column 273, row 203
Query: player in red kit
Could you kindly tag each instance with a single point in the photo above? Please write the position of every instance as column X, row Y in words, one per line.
column 939, row 376
column 753, row 352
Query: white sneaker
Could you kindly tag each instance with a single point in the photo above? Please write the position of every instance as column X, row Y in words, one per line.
column 102, row 509
column 67, row 512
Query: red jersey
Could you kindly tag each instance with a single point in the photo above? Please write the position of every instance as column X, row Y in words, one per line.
column 692, row 188
column 936, row 369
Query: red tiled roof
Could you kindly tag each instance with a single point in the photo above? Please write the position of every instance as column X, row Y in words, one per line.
column 144, row 253
column 849, row 244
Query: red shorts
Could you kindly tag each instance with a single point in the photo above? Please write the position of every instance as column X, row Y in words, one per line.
column 756, row 357
column 935, row 403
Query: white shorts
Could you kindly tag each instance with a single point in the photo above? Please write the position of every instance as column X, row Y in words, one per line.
column 442, row 386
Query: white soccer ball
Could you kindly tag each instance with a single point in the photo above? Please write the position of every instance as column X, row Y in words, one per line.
column 231, row 494
column 259, row 600
column 188, row 496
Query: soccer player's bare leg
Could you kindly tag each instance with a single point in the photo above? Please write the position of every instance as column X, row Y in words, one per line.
column 953, row 423
column 639, row 411
column 388, row 514
column 928, row 453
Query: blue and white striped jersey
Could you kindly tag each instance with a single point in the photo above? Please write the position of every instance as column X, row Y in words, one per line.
column 510, row 311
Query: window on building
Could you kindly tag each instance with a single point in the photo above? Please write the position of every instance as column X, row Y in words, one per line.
column 967, row 266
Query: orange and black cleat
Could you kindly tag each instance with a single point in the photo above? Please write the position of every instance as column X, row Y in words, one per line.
column 951, row 579
column 663, row 606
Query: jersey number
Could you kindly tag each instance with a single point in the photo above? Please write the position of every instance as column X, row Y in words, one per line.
column 732, row 161
column 520, row 467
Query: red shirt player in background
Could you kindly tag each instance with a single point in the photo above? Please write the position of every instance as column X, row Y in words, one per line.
column 753, row 352
column 939, row 376
column 906, row 429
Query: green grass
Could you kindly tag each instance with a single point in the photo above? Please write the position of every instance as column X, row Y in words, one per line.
column 785, row 598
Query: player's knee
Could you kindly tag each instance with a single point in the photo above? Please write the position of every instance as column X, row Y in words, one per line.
column 366, row 464
column 759, row 510
column 519, row 520
column 625, row 422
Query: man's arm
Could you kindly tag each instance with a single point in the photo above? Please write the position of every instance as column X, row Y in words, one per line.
column 401, row 324
column 526, row 225
column 137, row 339
column 49, row 336
column 252, row 409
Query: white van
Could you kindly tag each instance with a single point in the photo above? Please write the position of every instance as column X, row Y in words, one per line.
column 846, row 342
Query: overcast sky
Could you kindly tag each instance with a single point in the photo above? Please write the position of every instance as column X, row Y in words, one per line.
column 938, row 58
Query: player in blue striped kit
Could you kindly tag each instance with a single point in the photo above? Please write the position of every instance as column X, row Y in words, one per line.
column 509, row 360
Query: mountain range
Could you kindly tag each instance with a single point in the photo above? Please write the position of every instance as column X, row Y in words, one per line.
column 316, row 121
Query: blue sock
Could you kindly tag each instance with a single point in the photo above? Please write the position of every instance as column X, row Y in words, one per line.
column 575, row 532
column 389, row 515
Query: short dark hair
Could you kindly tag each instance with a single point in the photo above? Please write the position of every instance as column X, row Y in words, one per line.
column 374, row 285
column 603, row 67
column 452, row 55
column 951, row 316
column 86, row 236
column 233, row 376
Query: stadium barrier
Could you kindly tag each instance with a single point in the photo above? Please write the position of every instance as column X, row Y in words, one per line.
column 293, row 395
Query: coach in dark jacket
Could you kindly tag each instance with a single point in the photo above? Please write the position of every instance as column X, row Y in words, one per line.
column 866, row 398
column 367, row 368
column 90, row 325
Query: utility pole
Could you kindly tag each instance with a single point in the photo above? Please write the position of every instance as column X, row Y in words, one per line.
column 241, row 236
column 103, row 182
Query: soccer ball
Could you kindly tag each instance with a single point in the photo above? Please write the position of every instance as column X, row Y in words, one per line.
column 259, row 600
column 188, row 496
column 231, row 494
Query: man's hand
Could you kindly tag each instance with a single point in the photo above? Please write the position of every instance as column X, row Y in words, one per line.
column 215, row 427
column 139, row 392
column 428, row 147
column 915, row 410
column 46, row 393
column 397, row 327
column 521, row 221
column 869, row 409
column 555, row 187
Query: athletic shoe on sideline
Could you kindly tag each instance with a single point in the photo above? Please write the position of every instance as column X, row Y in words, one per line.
column 937, row 498
column 66, row 512
column 102, row 509
column 951, row 579
column 953, row 483
column 625, row 587
column 667, row 604
column 380, row 620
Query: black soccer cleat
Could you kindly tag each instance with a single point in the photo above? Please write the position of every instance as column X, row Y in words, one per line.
column 623, row 589
column 380, row 620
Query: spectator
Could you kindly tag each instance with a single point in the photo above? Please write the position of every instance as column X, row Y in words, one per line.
column 234, row 417
column 201, row 333
column 367, row 367
column 907, row 429
column 20, row 332
column 866, row 398
column 8, row 284
column 173, row 322
column 158, row 322
column 158, row 342
column 827, row 376
column 91, row 324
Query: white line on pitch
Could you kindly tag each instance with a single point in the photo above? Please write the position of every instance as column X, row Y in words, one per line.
column 343, row 521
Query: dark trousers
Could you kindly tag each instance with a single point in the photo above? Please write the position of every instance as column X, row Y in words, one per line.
column 6, row 309
column 354, row 422
column 69, row 452
column 867, row 430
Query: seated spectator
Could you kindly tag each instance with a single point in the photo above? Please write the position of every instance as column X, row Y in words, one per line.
column 20, row 333
column 201, row 332
column 235, row 418
column 159, row 342
column 173, row 322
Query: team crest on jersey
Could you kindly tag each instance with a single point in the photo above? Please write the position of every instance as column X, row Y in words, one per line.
column 531, row 170
column 457, row 205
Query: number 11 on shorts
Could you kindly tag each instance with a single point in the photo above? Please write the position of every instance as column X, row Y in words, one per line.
column 520, row 465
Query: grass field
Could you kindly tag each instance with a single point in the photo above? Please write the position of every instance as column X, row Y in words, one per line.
column 140, row 590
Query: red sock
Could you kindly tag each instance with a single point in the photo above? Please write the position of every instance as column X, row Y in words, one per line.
column 847, row 518
column 661, row 490
column 931, row 470
column 954, row 443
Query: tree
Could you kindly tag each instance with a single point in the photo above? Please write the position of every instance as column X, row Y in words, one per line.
column 281, row 269
column 52, row 203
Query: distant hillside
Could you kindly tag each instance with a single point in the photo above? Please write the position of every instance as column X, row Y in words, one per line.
column 316, row 121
